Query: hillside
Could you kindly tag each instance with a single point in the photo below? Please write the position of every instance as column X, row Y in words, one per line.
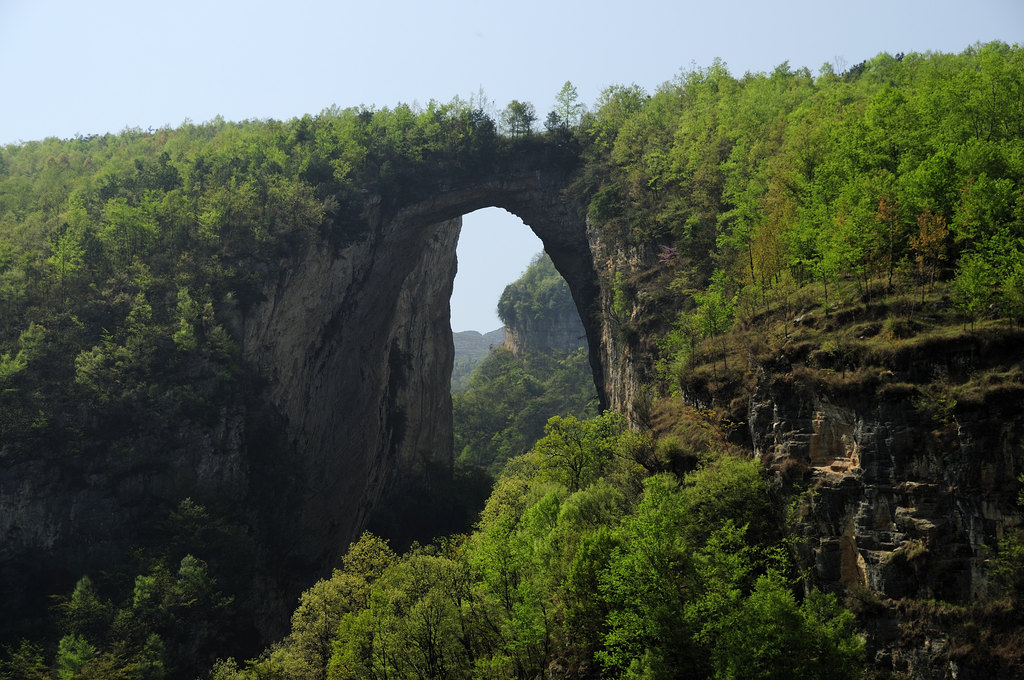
column 225, row 352
column 470, row 349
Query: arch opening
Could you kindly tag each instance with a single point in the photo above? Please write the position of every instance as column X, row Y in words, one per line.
column 495, row 248
column 541, row 369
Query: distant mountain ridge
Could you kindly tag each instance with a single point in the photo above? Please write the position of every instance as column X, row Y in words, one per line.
column 470, row 349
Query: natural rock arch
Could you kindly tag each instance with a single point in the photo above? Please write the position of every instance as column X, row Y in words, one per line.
column 354, row 349
column 348, row 352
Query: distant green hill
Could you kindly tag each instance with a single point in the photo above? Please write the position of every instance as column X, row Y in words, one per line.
column 470, row 349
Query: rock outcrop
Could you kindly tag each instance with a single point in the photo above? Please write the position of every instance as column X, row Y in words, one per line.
column 894, row 500
column 561, row 332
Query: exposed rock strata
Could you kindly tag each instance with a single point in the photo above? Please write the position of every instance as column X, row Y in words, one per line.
column 561, row 332
column 355, row 351
column 906, row 506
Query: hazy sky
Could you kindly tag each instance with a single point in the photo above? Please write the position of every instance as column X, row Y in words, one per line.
column 71, row 66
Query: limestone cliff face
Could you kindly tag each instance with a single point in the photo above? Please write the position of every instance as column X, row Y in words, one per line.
column 891, row 498
column 626, row 356
column 898, row 502
column 562, row 332
column 355, row 351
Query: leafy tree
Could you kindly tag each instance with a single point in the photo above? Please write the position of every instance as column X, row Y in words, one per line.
column 127, row 230
column 412, row 626
column 645, row 584
column 29, row 345
column 974, row 285
column 73, row 654
column 66, row 258
column 888, row 215
column 771, row 636
column 1011, row 290
column 577, row 452
column 85, row 614
column 518, row 118
column 26, row 662
column 568, row 111
column 615, row 105
column 929, row 247
column 1007, row 572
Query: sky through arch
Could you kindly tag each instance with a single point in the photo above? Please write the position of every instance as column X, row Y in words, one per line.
column 495, row 247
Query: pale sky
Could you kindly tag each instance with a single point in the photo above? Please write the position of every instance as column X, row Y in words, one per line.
column 72, row 67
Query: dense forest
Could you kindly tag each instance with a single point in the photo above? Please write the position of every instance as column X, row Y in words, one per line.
column 510, row 396
column 885, row 202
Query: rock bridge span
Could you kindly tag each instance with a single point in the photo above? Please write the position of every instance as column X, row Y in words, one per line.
column 349, row 351
column 353, row 347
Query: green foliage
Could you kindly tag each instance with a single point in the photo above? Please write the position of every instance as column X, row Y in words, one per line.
column 621, row 302
column 575, row 453
column 73, row 654
column 770, row 635
column 26, row 662
column 780, row 176
column 583, row 567
column 518, row 118
column 975, row 286
column 509, row 399
column 568, row 111
column 1007, row 571
column 166, row 623
column 540, row 293
column 712, row 315
column 28, row 345
column 86, row 614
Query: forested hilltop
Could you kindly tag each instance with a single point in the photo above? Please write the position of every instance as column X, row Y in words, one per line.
column 839, row 252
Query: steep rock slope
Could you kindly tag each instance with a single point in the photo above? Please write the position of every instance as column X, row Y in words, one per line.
column 354, row 349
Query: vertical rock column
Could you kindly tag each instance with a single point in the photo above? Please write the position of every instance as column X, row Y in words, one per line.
column 354, row 350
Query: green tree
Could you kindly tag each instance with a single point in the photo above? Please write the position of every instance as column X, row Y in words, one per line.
column 929, row 247
column 73, row 654
column 646, row 585
column 26, row 662
column 413, row 626
column 568, row 111
column 85, row 613
column 770, row 636
column 518, row 118
column 127, row 229
column 29, row 346
column 714, row 313
column 974, row 286
column 577, row 452
column 66, row 259
column 1007, row 570
column 315, row 622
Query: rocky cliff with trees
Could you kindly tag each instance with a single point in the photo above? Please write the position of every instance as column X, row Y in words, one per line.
column 801, row 295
